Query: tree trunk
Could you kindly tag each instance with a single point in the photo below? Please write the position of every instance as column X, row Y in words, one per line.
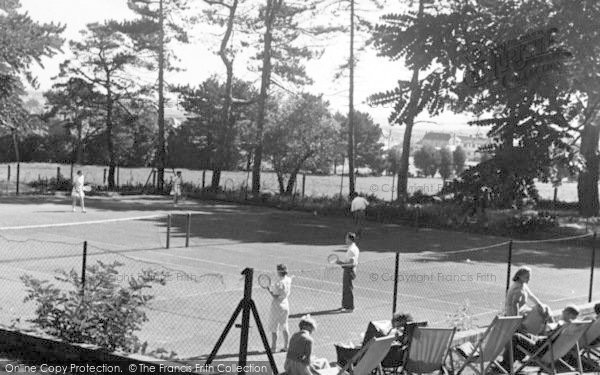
column 226, row 141
column 404, row 164
column 109, row 134
column 334, row 167
column 216, row 179
column 270, row 11
column 161, row 154
column 79, row 150
column 415, row 95
column 351, row 187
column 587, row 187
column 280, row 182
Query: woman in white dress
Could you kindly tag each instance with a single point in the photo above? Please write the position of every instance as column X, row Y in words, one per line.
column 78, row 192
column 177, row 182
column 280, row 307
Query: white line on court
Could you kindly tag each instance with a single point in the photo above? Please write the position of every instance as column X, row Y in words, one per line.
column 312, row 279
column 37, row 226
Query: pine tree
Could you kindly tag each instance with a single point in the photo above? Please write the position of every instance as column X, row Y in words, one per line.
column 152, row 32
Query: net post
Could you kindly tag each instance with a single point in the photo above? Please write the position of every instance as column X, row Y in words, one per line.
column 592, row 265
column 509, row 264
column 104, row 177
column 8, row 173
column 203, row 179
column 57, row 175
column 83, row 267
column 395, row 298
column 188, row 229
column 168, row 231
column 18, row 176
column 247, row 305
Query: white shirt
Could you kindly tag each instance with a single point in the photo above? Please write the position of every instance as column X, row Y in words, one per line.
column 359, row 204
column 352, row 253
column 78, row 183
column 282, row 289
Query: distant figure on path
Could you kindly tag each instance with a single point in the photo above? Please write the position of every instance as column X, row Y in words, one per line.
column 358, row 208
column 77, row 192
column 177, row 182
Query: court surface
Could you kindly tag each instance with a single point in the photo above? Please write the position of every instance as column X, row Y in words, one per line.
column 444, row 277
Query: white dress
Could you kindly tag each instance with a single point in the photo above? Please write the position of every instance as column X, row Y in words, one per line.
column 78, row 187
column 280, row 307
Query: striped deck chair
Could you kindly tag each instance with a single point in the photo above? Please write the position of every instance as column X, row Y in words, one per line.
column 366, row 360
column 429, row 348
column 555, row 348
column 590, row 342
column 493, row 342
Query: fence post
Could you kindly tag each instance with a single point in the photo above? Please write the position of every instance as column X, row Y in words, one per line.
column 18, row 176
column 203, row 179
column 83, row 267
column 168, row 231
column 592, row 265
column 395, row 299
column 509, row 264
column 187, row 232
column 154, row 179
column 104, row 177
column 71, row 171
column 8, row 179
column 118, row 176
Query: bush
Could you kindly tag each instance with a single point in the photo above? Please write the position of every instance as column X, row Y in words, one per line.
column 530, row 222
column 463, row 318
column 108, row 313
column 62, row 184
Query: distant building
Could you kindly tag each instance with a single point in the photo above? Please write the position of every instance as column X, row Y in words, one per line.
column 439, row 140
column 471, row 145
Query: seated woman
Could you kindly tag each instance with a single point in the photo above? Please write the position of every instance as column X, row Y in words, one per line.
column 533, row 343
column 299, row 359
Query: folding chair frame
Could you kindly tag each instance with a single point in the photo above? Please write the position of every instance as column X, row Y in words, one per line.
column 536, row 359
column 477, row 357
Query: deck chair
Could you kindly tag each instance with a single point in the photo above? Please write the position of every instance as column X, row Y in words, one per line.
column 366, row 360
column 590, row 342
column 493, row 342
column 396, row 357
column 555, row 348
column 429, row 348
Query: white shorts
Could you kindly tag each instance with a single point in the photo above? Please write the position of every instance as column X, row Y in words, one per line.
column 75, row 193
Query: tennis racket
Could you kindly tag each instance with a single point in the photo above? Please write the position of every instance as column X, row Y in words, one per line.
column 87, row 188
column 264, row 281
column 332, row 259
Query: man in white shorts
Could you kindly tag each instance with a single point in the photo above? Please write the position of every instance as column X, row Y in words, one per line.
column 358, row 208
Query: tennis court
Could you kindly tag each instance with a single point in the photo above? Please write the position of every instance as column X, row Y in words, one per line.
column 440, row 274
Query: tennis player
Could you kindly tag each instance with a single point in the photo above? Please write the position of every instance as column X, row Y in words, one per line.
column 177, row 182
column 349, row 267
column 280, row 308
column 77, row 192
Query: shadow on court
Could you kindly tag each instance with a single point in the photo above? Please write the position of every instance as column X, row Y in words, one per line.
column 255, row 224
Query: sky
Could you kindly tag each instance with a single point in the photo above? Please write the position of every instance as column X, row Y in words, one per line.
column 198, row 61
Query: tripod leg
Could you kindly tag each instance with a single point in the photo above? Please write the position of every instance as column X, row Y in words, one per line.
column 225, row 332
column 263, row 336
